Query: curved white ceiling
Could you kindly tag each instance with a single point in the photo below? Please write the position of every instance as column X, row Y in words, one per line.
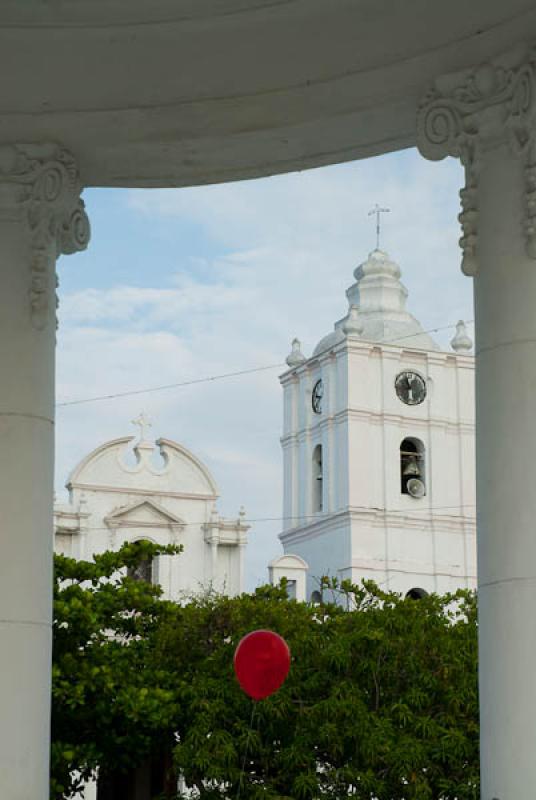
column 180, row 92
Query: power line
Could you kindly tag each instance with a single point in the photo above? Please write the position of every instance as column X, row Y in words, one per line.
column 420, row 333
column 319, row 517
column 191, row 382
column 222, row 376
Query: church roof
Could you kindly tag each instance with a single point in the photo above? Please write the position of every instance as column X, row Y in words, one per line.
column 377, row 309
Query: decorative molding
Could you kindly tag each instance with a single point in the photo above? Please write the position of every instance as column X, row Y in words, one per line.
column 382, row 418
column 530, row 199
column 307, row 529
column 125, row 516
column 220, row 531
column 408, row 568
column 466, row 114
column 468, row 216
column 41, row 184
column 97, row 487
column 64, row 531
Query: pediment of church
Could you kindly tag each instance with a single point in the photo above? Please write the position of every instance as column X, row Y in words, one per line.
column 145, row 513
column 163, row 466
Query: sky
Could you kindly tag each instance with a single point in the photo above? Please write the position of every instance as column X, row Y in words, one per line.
column 181, row 284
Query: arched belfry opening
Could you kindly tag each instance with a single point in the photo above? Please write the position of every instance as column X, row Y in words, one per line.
column 318, row 479
column 416, row 594
column 413, row 467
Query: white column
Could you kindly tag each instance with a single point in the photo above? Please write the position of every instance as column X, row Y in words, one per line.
column 291, row 512
column 328, row 444
column 40, row 216
column 241, row 562
column 290, row 453
column 505, row 308
column 342, row 432
column 214, row 558
column 83, row 517
column 305, row 452
column 487, row 118
column 288, row 498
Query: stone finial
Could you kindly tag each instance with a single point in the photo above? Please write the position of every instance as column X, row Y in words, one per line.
column 352, row 326
column 461, row 342
column 295, row 357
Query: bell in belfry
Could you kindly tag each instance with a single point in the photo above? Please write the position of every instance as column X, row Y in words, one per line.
column 411, row 470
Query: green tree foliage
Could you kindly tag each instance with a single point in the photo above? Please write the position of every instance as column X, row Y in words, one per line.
column 112, row 703
column 381, row 701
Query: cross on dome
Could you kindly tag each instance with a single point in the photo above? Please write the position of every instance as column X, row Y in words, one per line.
column 378, row 210
column 143, row 422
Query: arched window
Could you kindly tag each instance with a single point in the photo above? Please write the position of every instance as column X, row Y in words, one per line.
column 143, row 572
column 416, row 594
column 316, row 597
column 412, row 468
column 317, row 479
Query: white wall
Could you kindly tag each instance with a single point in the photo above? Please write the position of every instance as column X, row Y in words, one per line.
column 160, row 493
column 368, row 527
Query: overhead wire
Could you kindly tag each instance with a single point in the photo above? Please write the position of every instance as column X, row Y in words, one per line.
column 221, row 376
column 164, row 387
column 420, row 333
column 319, row 517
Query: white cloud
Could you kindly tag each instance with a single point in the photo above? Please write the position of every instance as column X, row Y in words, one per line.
column 284, row 251
column 151, row 306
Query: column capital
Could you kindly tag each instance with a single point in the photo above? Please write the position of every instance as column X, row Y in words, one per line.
column 468, row 115
column 40, row 185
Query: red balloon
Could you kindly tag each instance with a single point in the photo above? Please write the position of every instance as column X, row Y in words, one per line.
column 261, row 663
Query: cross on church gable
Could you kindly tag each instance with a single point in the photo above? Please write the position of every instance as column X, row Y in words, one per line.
column 143, row 422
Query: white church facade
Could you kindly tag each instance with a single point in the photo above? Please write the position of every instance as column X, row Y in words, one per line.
column 378, row 450
column 129, row 489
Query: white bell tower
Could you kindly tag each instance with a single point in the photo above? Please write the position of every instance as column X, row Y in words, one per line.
column 378, row 447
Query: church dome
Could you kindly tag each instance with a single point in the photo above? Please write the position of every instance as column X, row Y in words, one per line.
column 377, row 308
column 329, row 341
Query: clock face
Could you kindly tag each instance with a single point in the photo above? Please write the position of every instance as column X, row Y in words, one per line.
column 410, row 388
column 316, row 397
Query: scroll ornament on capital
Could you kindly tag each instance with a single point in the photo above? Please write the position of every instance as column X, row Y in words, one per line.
column 41, row 184
column 466, row 113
